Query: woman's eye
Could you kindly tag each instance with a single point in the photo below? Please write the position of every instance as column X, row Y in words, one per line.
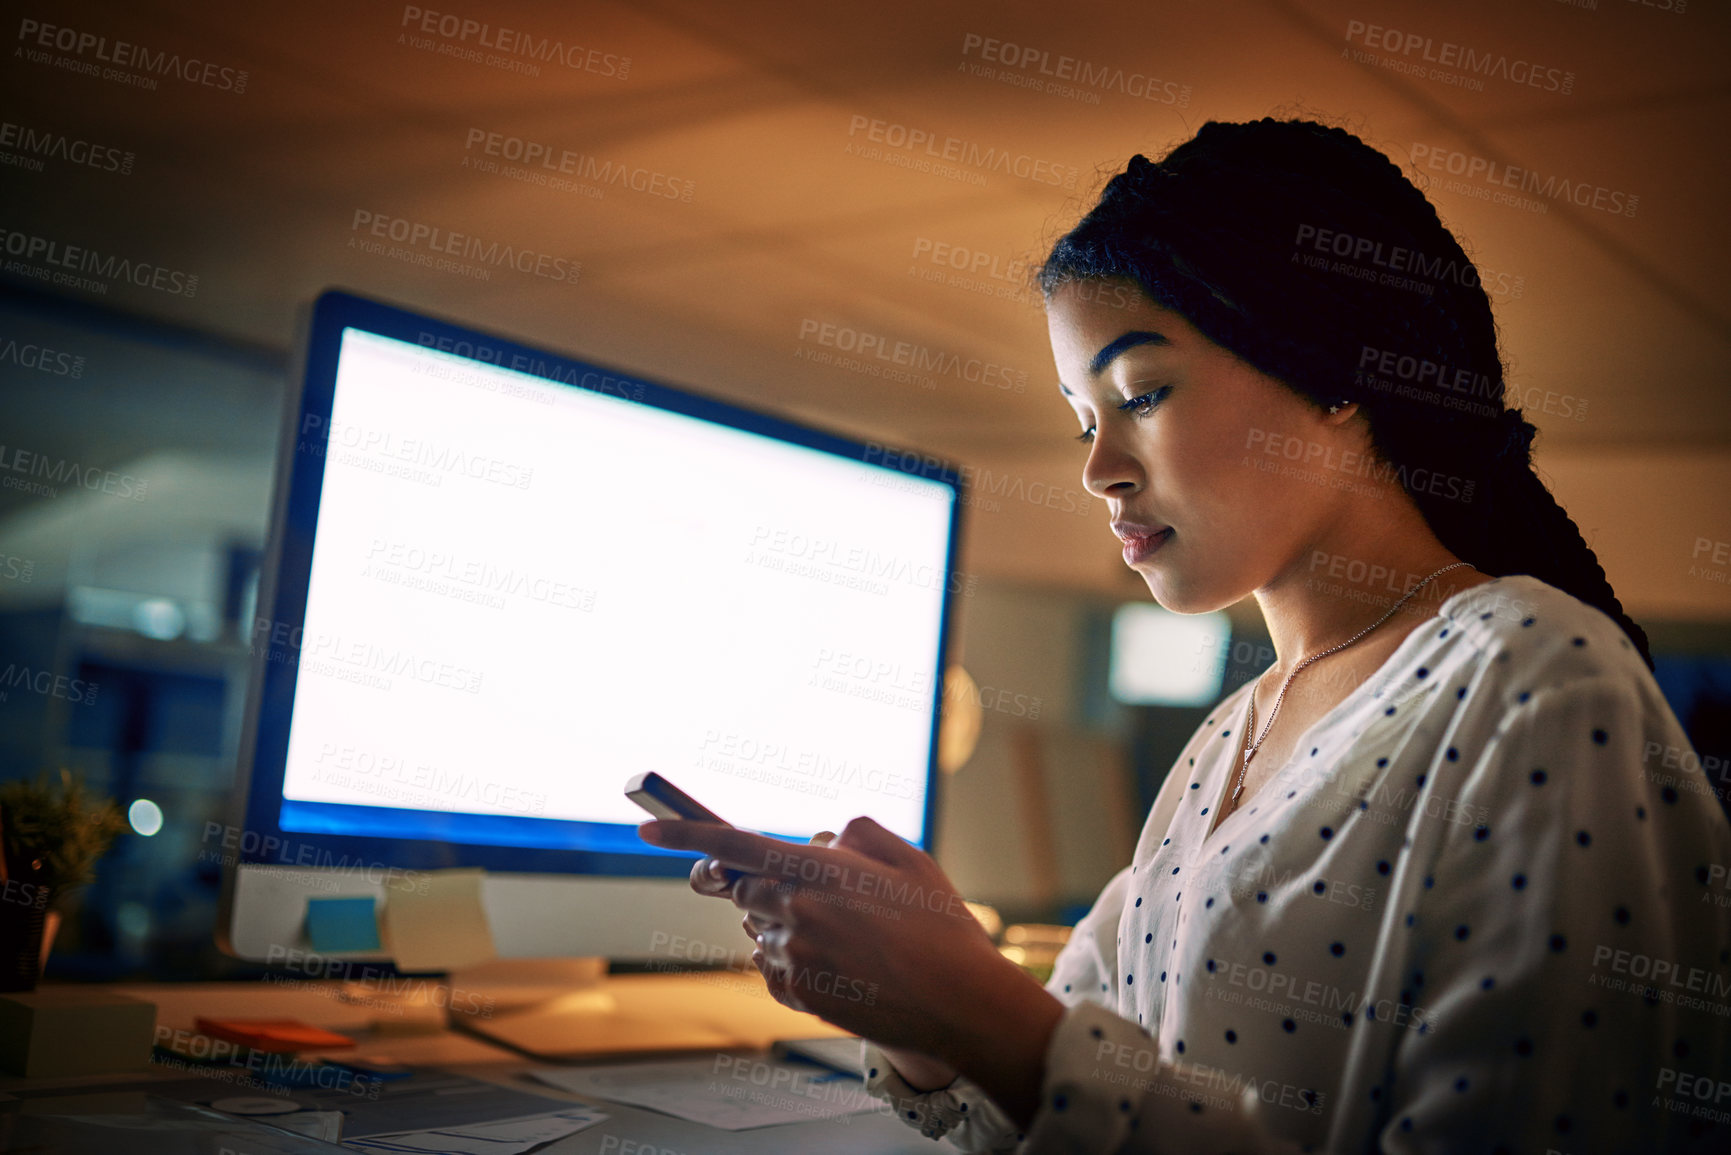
column 1138, row 406
column 1147, row 401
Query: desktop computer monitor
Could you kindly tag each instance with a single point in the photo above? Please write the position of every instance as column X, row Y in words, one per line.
column 502, row 581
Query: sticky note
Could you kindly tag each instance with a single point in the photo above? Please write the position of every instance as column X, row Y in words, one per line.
column 442, row 927
column 342, row 924
column 272, row 1034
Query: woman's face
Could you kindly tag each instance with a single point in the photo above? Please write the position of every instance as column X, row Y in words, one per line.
column 1204, row 456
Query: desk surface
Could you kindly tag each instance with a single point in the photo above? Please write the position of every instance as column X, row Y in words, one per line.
column 627, row 1130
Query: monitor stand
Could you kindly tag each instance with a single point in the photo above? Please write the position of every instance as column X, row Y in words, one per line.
column 572, row 1010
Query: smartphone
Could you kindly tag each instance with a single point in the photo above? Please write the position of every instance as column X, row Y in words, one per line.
column 665, row 800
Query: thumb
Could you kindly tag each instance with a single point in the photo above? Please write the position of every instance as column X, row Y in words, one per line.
column 864, row 835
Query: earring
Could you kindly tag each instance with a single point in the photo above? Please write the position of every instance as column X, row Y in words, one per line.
column 1333, row 409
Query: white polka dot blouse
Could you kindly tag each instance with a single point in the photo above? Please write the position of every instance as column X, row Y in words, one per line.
column 1480, row 909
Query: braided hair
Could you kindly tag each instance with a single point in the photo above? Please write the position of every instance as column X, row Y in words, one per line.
column 1310, row 255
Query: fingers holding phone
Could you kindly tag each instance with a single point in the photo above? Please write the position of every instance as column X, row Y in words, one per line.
column 755, row 924
column 665, row 800
column 711, row 879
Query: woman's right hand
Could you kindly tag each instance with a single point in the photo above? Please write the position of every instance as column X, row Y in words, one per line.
column 712, row 880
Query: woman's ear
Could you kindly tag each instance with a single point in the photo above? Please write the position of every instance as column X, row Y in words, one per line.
column 1340, row 412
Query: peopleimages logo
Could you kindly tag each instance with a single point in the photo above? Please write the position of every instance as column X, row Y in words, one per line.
column 33, row 145
column 1390, row 257
column 976, row 261
column 544, row 162
column 56, row 262
column 46, row 683
column 440, row 459
column 32, row 472
column 927, row 147
column 473, row 579
column 912, row 357
column 1070, row 76
column 975, row 271
column 1311, row 456
column 1475, row 66
column 29, row 355
column 535, row 365
column 513, row 50
column 1428, row 374
column 1484, row 179
column 428, row 244
column 39, row 40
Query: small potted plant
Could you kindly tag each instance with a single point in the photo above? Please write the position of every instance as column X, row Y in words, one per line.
column 51, row 834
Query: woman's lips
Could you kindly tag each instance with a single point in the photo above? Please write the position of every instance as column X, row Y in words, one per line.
column 1139, row 548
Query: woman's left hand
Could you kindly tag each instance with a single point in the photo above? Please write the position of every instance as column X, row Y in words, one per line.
column 867, row 932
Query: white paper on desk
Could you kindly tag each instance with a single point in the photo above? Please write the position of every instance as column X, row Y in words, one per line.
column 734, row 1094
column 326, row 1125
column 507, row 1137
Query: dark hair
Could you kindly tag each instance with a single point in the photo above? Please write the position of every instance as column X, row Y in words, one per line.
column 1310, row 255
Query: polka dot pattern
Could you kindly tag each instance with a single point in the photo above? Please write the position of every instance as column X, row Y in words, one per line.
column 1493, row 851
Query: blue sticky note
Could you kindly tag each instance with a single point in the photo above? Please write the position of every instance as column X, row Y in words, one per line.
column 342, row 924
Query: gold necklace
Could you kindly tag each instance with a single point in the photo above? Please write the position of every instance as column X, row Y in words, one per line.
column 1250, row 724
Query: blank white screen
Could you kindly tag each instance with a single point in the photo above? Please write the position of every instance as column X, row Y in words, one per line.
column 523, row 593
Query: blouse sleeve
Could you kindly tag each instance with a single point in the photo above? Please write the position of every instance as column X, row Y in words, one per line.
column 1560, row 987
column 962, row 1110
column 1104, row 1089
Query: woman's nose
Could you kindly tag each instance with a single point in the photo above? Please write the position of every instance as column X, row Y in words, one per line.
column 1109, row 470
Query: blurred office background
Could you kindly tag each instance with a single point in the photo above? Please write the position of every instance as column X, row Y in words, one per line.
column 744, row 186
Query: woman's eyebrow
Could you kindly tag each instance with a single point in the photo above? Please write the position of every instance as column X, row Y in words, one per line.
column 1119, row 344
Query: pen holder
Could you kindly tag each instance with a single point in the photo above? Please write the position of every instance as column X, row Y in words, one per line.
column 24, row 932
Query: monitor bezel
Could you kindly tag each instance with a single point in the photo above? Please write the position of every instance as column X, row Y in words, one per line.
column 258, row 838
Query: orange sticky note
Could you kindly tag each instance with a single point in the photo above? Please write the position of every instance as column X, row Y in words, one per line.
column 273, row 1034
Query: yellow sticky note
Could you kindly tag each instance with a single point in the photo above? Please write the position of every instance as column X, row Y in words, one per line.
column 441, row 928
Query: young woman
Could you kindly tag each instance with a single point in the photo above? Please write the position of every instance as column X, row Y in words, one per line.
column 1419, row 887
